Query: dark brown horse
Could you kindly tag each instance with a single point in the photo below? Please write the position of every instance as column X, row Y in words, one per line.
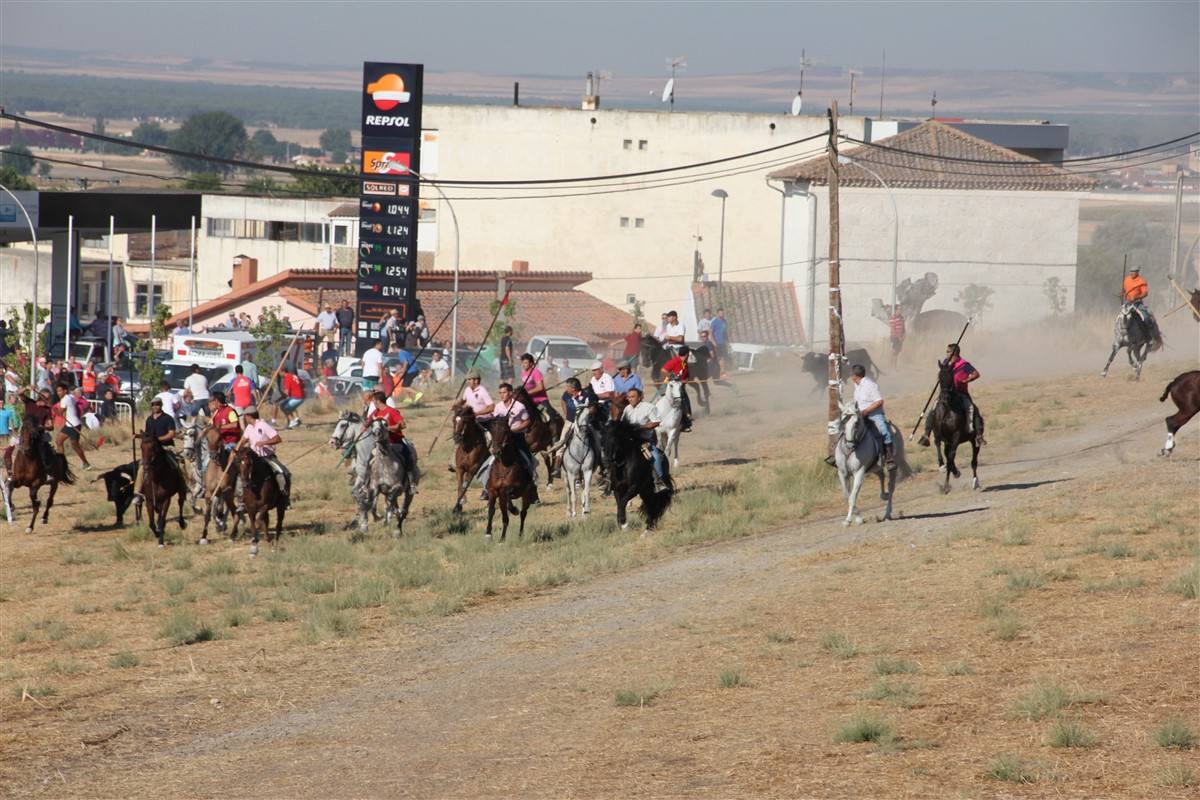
column 160, row 482
column 260, row 494
column 948, row 423
column 540, row 435
column 1184, row 390
column 27, row 469
column 470, row 450
column 508, row 480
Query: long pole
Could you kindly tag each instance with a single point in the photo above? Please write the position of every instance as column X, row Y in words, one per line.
column 33, row 320
column 70, row 284
column 457, row 255
column 112, row 222
column 933, row 391
column 1178, row 219
column 721, row 258
column 150, row 306
column 882, row 79
column 192, row 272
column 837, row 345
column 895, row 225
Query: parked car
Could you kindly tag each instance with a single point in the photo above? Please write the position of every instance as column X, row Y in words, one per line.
column 568, row 353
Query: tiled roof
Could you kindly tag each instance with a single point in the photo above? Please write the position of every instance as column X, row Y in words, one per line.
column 906, row 170
column 345, row 210
column 564, row 312
column 758, row 313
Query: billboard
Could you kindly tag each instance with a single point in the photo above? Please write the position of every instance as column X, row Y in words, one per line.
column 389, row 196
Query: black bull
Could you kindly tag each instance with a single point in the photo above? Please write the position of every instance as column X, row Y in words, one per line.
column 817, row 365
column 118, row 484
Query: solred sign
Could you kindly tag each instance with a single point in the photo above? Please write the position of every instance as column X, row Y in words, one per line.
column 387, row 231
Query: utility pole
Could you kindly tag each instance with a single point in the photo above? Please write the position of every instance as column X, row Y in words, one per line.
column 837, row 345
column 1178, row 218
column 882, row 79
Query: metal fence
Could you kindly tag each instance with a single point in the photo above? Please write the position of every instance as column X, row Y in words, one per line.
column 124, row 409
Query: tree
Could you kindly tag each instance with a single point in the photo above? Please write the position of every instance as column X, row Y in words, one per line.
column 14, row 181
column 17, row 155
column 333, row 186
column 150, row 371
column 212, row 133
column 336, row 140
column 1056, row 293
column 203, row 182
column 975, row 300
column 95, row 145
column 151, row 133
column 44, row 169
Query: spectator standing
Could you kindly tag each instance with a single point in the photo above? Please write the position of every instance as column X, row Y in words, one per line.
column 170, row 401
column 111, row 380
column 197, row 383
column 506, row 354
column 10, row 422
column 633, row 345
column 242, row 390
column 345, row 320
column 4, row 348
column 372, row 365
column 89, row 381
column 439, row 368
column 108, row 406
column 896, row 333
column 233, row 323
column 326, row 325
column 719, row 330
column 293, row 398
column 329, row 359
column 660, row 332
column 251, row 370
column 705, row 323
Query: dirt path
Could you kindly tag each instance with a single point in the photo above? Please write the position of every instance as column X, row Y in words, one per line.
column 516, row 699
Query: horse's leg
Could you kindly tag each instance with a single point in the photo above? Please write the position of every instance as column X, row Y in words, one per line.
column 524, row 511
column 623, row 501
column 948, row 454
column 549, row 470
column 279, row 512
column 569, row 478
column 505, row 502
column 35, row 504
column 975, row 484
column 851, row 515
column 587, row 488
column 461, row 485
column 1174, row 423
column 182, row 499
column 845, row 486
column 49, row 502
column 487, row 536
column 1111, row 356
column 891, row 490
column 6, row 486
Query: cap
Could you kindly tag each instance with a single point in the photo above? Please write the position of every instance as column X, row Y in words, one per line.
column 251, row 411
column 597, row 365
column 473, row 372
column 1135, row 268
column 156, row 401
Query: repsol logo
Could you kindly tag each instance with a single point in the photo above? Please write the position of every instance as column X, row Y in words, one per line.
column 386, row 121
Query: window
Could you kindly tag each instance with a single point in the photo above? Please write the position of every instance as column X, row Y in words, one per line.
column 93, row 294
column 627, row 144
column 640, row 222
column 624, row 222
column 643, row 144
column 143, row 301
column 341, row 234
column 219, row 227
column 427, row 213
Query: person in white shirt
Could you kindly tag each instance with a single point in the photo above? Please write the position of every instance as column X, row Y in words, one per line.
column 326, row 326
column 439, row 367
column 673, row 332
column 602, row 385
column 660, row 330
column 645, row 416
column 198, row 384
column 870, row 405
column 72, row 422
column 705, row 323
column 170, row 401
column 372, row 365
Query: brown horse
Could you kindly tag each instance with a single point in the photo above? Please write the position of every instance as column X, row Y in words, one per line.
column 27, row 470
column 1194, row 302
column 540, row 435
column 470, row 449
column 219, row 484
column 508, row 479
column 1184, row 390
column 260, row 494
column 160, row 482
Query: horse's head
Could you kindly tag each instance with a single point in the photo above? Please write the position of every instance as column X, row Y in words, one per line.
column 245, row 463
column 673, row 391
column 342, row 429
column 945, row 376
column 583, row 418
column 501, row 436
column 464, row 415
column 848, row 422
column 150, row 447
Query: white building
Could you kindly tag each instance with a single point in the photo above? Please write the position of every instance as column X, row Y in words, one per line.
column 1009, row 227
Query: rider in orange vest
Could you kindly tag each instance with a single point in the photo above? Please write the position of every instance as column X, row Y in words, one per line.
column 1133, row 291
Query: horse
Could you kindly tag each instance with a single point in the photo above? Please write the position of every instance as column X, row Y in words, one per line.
column 540, row 435
column 1135, row 335
column 27, row 470
column 1194, row 304
column 652, row 354
column 817, row 365
column 860, row 451
column 160, row 482
column 508, row 479
column 195, row 457
column 470, row 450
column 1184, row 390
column 378, row 473
column 260, row 494
column 579, row 460
column 948, row 424
column 219, row 485
column 118, row 485
column 632, row 473
column 670, row 414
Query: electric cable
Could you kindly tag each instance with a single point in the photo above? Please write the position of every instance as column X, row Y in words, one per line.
column 992, row 162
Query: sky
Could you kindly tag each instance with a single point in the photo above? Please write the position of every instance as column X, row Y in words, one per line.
column 630, row 39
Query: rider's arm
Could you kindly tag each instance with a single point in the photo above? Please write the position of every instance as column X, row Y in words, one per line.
column 169, row 436
column 973, row 375
column 871, row 409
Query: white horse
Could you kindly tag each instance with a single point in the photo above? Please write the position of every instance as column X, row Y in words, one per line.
column 670, row 414
column 859, row 451
column 578, row 461
column 195, row 456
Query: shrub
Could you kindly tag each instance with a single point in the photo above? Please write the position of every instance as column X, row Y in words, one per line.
column 1187, row 583
column 864, row 728
column 324, row 621
column 1175, row 733
column 183, row 628
column 123, row 660
column 958, row 668
column 1069, row 733
column 902, row 694
column 636, row 697
column 779, row 637
column 1047, row 699
column 1177, row 775
column 899, row 666
column 731, row 679
column 838, row 645
column 1006, row 628
column 1011, row 768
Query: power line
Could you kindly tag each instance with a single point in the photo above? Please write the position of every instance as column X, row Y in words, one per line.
column 982, row 173
column 251, row 165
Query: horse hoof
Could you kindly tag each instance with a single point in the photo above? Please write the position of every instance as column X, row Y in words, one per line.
column 625, row 526
column 161, row 546
column 944, row 489
column 845, row 523
column 487, row 537
column 976, row 485
column 29, row 529
column 254, row 550
column 942, row 468
column 203, row 540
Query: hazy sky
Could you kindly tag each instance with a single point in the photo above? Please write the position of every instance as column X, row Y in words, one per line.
column 562, row 38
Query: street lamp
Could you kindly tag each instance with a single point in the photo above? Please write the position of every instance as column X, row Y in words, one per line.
column 457, row 253
column 33, row 321
column 895, row 219
column 722, row 195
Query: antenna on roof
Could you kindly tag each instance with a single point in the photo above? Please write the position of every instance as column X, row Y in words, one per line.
column 798, row 100
column 853, row 73
column 933, row 105
column 668, row 95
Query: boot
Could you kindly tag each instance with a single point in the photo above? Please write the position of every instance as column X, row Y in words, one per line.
column 889, row 457
column 659, row 484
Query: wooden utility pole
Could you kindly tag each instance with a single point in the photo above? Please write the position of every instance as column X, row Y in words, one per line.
column 837, row 344
column 1175, row 233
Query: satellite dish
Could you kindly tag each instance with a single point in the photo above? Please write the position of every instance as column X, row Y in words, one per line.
column 668, row 90
column 797, row 104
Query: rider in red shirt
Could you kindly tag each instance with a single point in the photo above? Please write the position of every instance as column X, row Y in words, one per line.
column 225, row 420
column 677, row 368
column 401, row 448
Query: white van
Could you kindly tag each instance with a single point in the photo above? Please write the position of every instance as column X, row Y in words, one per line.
column 213, row 349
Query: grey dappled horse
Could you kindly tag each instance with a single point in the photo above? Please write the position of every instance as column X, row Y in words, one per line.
column 1135, row 335
column 859, row 451
column 579, row 460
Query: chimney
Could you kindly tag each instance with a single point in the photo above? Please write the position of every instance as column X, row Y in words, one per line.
column 516, row 93
column 520, row 267
column 245, row 272
column 590, row 101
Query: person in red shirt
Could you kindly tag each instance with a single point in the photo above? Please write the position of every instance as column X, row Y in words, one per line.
column 112, row 380
column 242, row 389
column 896, row 333
column 293, row 397
column 89, row 381
column 225, row 420
column 677, row 368
column 401, row 448
column 633, row 346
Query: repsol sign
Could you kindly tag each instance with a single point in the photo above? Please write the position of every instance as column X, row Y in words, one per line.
column 384, row 121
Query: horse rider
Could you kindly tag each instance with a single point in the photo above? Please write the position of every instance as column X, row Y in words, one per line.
column 225, row 420
column 476, row 396
column 40, row 421
column 673, row 332
column 870, row 406
column 602, row 386
column 627, row 379
column 964, row 374
column 401, row 448
column 1133, row 293
column 263, row 440
column 643, row 414
column 535, row 385
column 160, row 426
column 518, row 422
column 576, row 398
column 677, row 368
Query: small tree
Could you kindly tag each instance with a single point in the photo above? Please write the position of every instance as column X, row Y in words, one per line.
column 44, row 169
column 203, row 182
column 15, row 181
column 149, row 369
column 19, row 320
column 274, row 338
column 150, row 132
column 17, row 156
column 637, row 309
column 212, row 133
column 1056, row 294
column 975, row 300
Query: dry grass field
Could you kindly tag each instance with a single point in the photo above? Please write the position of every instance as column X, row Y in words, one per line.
column 1036, row 639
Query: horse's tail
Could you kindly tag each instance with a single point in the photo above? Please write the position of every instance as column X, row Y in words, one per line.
column 657, row 504
column 68, row 477
column 1170, row 386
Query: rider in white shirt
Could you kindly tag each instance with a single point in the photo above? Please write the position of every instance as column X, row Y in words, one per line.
column 673, row 331
column 645, row 416
column 870, row 404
